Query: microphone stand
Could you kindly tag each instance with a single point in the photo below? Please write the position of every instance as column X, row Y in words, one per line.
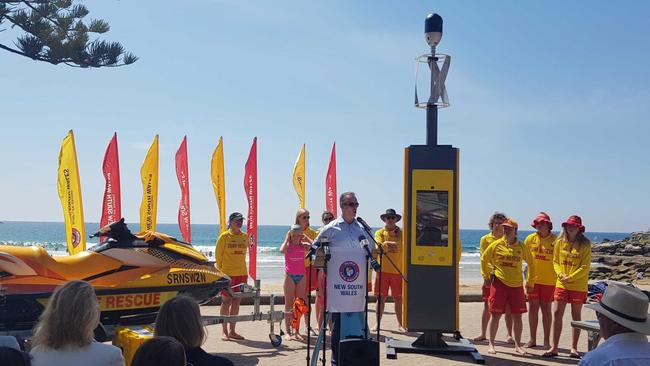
column 368, row 255
column 323, row 330
column 309, row 312
column 381, row 254
column 328, row 256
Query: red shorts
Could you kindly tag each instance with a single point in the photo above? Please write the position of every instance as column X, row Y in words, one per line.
column 543, row 293
column 485, row 292
column 235, row 282
column 502, row 295
column 313, row 284
column 389, row 280
column 573, row 297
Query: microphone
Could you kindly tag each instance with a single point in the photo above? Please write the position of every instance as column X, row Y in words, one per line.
column 364, row 224
column 373, row 262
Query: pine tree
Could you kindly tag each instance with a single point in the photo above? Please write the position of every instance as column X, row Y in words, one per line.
column 55, row 31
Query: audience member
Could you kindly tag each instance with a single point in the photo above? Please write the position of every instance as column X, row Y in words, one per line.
column 160, row 351
column 180, row 318
column 64, row 333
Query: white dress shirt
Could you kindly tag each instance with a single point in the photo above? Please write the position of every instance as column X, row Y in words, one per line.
column 624, row 349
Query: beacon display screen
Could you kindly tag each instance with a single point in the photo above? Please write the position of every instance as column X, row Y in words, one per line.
column 432, row 218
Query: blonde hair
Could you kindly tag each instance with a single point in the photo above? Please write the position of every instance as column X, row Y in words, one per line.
column 70, row 317
column 300, row 212
column 581, row 239
column 180, row 318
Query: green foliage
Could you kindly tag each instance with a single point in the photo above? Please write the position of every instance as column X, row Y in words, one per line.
column 55, row 31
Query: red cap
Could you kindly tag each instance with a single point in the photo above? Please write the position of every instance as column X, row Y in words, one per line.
column 574, row 220
column 511, row 223
column 542, row 217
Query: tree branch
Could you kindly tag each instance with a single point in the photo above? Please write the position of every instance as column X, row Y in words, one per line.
column 44, row 16
column 24, row 54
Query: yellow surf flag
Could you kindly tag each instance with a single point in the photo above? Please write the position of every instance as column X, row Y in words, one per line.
column 69, row 189
column 299, row 176
column 219, row 183
column 149, row 176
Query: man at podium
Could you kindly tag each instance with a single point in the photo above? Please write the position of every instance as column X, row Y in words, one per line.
column 347, row 273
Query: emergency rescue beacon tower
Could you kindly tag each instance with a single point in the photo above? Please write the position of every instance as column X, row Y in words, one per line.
column 431, row 244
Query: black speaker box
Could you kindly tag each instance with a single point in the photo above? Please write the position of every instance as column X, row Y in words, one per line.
column 358, row 352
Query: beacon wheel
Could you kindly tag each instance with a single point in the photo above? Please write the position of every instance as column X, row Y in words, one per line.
column 276, row 340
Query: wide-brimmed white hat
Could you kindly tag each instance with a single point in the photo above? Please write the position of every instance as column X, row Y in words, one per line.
column 626, row 305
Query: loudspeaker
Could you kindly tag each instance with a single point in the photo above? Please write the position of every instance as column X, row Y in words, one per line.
column 356, row 352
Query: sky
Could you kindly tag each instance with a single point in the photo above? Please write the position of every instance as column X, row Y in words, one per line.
column 550, row 104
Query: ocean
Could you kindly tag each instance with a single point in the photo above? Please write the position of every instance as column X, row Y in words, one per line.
column 270, row 262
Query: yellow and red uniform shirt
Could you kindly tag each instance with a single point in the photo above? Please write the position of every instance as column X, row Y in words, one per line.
column 382, row 235
column 231, row 253
column 542, row 251
column 485, row 242
column 573, row 260
column 506, row 260
column 311, row 234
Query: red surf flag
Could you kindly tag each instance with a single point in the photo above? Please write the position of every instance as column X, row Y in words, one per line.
column 111, row 207
column 330, row 183
column 250, row 187
column 184, row 181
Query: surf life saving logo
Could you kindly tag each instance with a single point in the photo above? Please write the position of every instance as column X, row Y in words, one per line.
column 349, row 271
column 76, row 237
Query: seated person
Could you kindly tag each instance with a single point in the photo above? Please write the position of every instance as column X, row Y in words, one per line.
column 64, row 334
column 10, row 356
column 160, row 351
column 180, row 318
column 624, row 323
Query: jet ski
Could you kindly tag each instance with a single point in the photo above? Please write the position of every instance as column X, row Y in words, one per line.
column 133, row 275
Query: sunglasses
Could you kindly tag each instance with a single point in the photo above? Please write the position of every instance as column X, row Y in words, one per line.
column 328, row 218
column 305, row 217
column 351, row 204
column 391, row 217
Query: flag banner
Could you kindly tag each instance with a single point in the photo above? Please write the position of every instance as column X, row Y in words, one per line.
column 184, row 181
column 250, row 187
column 149, row 177
column 219, row 183
column 330, row 184
column 69, row 188
column 346, row 280
column 299, row 176
column 112, row 204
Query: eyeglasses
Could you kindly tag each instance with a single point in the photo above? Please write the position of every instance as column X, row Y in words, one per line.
column 351, row 204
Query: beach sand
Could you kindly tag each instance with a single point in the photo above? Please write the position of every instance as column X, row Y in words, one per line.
column 257, row 349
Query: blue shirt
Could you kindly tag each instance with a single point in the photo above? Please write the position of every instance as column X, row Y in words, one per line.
column 629, row 349
column 343, row 235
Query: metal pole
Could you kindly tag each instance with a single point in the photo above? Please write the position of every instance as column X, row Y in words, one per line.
column 432, row 125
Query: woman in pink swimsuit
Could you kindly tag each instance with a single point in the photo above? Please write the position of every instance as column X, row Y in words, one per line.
column 293, row 249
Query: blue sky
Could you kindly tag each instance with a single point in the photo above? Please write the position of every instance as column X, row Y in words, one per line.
column 550, row 104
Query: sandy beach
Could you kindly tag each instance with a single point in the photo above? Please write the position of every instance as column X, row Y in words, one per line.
column 257, row 350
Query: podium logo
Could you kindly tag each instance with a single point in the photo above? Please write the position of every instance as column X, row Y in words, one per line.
column 349, row 271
